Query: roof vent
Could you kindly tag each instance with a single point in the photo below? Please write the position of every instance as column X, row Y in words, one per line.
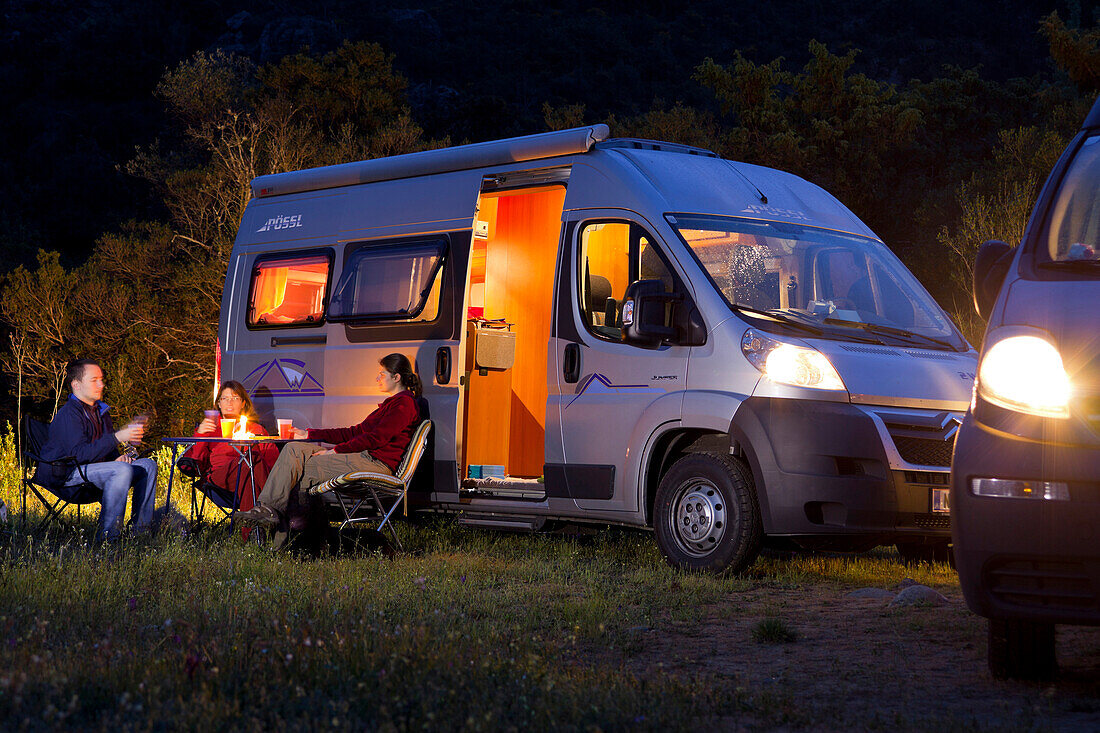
column 634, row 143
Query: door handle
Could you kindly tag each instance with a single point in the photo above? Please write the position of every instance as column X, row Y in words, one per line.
column 571, row 363
column 443, row 364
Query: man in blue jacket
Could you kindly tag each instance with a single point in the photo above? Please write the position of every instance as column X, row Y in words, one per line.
column 82, row 429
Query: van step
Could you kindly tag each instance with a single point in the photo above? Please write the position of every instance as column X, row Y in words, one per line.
column 511, row 524
column 503, row 489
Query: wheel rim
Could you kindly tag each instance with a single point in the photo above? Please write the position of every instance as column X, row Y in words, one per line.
column 698, row 517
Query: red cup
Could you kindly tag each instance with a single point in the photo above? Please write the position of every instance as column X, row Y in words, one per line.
column 286, row 428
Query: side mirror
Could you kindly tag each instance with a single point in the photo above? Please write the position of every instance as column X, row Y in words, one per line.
column 990, row 268
column 643, row 314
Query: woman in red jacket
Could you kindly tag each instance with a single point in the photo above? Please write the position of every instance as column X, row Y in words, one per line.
column 221, row 461
column 376, row 445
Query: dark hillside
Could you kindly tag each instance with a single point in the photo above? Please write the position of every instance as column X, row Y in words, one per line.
column 79, row 77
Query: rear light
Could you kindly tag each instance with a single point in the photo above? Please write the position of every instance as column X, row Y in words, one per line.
column 217, row 368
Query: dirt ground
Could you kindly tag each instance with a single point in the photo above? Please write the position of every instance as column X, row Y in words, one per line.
column 859, row 663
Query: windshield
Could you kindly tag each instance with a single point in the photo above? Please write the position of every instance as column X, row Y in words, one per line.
column 1074, row 231
column 836, row 283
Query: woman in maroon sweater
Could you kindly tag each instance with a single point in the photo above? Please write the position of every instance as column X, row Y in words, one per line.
column 376, row 445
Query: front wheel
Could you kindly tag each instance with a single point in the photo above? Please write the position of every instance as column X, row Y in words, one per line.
column 1021, row 649
column 706, row 515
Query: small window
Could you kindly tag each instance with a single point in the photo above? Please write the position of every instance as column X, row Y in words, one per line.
column 288, row 291
column 613, row 255
column 395, row 282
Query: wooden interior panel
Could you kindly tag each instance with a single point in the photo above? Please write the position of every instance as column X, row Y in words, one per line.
column 488, row 412
column 506, row 411
column 608, row 252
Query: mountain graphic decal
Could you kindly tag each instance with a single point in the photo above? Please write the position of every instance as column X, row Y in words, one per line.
column 283, row 378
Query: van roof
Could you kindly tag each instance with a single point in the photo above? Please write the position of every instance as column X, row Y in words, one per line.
column 689, row 180
column 443, row 160
column 697, row 184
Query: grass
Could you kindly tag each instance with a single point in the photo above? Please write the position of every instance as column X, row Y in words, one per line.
column 773, row 630
column 466, row 630
column 200, row 631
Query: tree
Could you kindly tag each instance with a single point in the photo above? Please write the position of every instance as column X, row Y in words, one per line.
column 846, row 132
column 36, row 307
column 1075, row 51
column 146, row 302
column 996, row 203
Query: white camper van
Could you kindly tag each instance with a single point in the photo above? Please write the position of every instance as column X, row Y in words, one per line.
column 638, row 332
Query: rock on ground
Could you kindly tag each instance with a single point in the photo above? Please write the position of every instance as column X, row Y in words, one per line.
column 919, row 595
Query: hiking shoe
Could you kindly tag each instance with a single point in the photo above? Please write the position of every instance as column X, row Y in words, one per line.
column 260, row 515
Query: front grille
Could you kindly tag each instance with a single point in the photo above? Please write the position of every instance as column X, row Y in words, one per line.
column 932, row 521
column 1042, row 584
column 925, row 451
column 927, row 477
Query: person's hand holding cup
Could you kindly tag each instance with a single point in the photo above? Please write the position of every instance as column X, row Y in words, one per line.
column 299, row 434
column 209, row 422
column 132, row 433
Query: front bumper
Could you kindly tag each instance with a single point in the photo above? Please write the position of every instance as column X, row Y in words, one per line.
column 1031, row 559
column 829, row 469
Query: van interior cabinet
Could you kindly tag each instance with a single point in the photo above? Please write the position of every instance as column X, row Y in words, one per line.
column 512, row 277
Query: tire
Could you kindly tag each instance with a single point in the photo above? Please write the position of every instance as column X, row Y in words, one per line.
column 1022, row 650
column 706, row 515
column 914, row 553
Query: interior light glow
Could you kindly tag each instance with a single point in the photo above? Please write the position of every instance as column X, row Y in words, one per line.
column 1025, row 374
column 787, row 363
column 1011, row 489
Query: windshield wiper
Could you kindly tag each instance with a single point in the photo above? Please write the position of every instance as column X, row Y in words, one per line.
column 783, row 317
column 805, row 322
column 891, row 331
column 1089, row 266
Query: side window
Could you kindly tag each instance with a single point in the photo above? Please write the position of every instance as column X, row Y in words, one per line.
column 390, row 282
column 612, row 255
column 288, row 291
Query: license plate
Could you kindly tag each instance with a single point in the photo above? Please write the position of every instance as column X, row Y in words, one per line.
column 940, row 503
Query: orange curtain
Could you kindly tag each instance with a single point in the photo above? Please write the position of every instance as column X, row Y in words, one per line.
column 270, row 290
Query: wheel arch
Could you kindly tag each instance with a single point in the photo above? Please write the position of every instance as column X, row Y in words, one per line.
column 669, row 447
column 706, row 417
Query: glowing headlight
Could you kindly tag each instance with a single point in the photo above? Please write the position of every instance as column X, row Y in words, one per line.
column 1025, row 374
column 788, row 363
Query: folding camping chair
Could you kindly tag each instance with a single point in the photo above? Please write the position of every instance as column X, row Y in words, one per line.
column 353, row 490
column 35, row 435
column 224, row 500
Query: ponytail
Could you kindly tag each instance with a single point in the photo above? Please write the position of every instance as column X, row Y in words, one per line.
column 400, row 365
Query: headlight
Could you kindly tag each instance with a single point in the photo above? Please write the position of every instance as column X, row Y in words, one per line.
column 788, row 363
column 1025, row 374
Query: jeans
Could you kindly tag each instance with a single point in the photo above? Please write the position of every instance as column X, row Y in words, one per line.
column 115, row 479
